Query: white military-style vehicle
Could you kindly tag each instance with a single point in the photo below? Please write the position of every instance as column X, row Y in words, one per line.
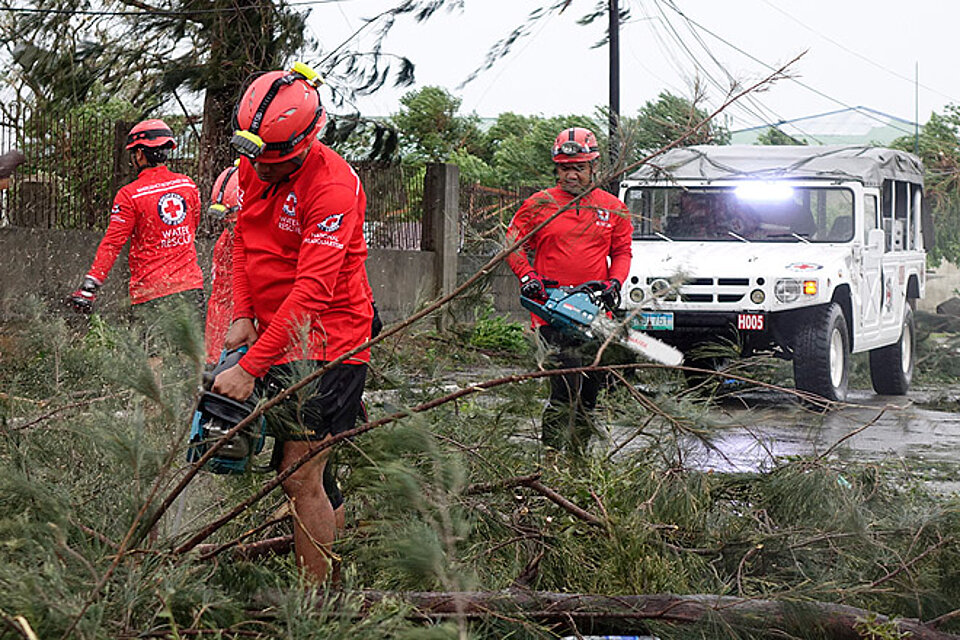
column 808, row 253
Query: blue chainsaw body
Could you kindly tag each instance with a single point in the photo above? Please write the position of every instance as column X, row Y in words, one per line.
column 569, row 310
column 215, row 415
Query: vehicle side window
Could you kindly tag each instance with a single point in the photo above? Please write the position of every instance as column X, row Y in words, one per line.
column 893, row 208
column 869, row 214
column 916, row 214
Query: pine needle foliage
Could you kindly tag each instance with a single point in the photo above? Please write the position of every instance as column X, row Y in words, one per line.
column 93, row 436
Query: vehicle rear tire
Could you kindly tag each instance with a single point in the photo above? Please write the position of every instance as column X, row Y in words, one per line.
column 891, row 367
column 821, row 353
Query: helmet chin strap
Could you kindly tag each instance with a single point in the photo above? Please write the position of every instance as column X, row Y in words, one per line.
column 133, row 160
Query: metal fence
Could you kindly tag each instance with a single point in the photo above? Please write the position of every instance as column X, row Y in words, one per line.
column 485, row 213
column 76, row 164
column 394, row 205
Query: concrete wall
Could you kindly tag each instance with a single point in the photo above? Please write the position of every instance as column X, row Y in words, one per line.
column 51, row 263
column 942, row 284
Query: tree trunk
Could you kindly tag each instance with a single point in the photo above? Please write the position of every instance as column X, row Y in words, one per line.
column 217, row 127
column 599, row 614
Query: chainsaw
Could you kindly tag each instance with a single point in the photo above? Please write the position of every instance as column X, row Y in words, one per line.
column 217, row 414
column 577, row 311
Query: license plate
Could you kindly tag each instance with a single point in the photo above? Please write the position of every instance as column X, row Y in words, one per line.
column 750, row 321
column 654, row 321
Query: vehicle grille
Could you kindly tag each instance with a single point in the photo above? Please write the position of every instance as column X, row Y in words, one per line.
column 707, row 290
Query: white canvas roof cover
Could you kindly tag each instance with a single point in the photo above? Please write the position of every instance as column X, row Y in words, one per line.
column 869, row 165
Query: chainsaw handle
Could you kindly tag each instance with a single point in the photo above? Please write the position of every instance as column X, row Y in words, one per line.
column 228, row 358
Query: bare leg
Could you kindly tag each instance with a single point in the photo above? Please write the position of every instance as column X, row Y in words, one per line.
column 314, row 524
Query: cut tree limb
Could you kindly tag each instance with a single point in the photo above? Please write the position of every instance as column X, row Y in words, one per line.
column 600, row 614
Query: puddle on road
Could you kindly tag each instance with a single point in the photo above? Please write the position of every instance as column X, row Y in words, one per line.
column 759, row 427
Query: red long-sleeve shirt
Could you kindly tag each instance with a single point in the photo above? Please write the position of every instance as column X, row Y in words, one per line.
column 220, row 304
column 299, row 261
column 589, row 241
column 159, row 213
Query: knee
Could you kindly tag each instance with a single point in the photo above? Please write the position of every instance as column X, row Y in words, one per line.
column 303, row 486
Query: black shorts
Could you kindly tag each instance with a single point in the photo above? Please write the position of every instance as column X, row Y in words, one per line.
column 325, row 407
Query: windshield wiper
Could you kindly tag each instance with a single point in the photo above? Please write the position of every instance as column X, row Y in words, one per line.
column 738, row 237
column 655, row 234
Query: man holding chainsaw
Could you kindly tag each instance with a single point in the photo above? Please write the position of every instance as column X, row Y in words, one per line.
column 301, row 295
column 587, row 242
column 159, row 213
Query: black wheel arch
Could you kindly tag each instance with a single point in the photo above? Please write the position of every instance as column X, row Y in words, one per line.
column 842, row 297
column 913, row 288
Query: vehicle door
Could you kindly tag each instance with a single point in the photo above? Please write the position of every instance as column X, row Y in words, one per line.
column 870, row 291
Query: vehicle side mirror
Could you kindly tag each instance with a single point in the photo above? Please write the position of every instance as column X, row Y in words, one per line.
column 875, row 238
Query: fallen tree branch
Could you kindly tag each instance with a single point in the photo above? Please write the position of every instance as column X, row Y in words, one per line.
column 563, row 503
column 601, row 614
column 208, row 551
column 507, row 483
column 249, row 551
column 270, row 485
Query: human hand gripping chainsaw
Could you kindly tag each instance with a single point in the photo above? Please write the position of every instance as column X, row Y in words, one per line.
column 579, row 311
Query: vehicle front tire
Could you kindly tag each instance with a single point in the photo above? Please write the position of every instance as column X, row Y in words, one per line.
column 821, row 353
column 891, row 367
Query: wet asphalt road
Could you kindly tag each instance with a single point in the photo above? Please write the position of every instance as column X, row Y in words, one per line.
column 920, row 431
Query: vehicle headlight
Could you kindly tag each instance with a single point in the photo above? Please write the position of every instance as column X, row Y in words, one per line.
column 659, row 288
column 757, row 296
column 787, row 289
column 636, row 295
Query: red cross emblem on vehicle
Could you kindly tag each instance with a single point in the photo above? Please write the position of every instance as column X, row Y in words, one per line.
column 172, row 208
column 804, row 266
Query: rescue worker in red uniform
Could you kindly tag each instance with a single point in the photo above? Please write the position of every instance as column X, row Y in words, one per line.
column 159, row 213
column 588, row 242
column 301, row 295
column 223, row 206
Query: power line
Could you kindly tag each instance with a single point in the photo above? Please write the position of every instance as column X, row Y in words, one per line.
column 672, row 5
column 751, row 106
column 669, row 52
column 158, row 12
column 856, row 53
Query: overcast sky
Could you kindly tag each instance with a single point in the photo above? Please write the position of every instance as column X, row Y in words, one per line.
column 857, row 53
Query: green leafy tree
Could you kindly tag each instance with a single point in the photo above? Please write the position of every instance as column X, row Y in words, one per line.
column 939, row 149
column 167, row 53
column 431, row 128
column 151, row 54
column 525, row 156
column 661, row 121
column 774, row 136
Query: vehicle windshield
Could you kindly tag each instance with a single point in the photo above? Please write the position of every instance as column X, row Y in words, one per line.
column 752, row 212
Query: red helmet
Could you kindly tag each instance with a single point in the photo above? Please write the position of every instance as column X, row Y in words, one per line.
column 151, row 133
column 575, row 145
column 278, row 115
column 223, row 198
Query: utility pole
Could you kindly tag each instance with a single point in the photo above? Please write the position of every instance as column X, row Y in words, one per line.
column 614, row 104
column 916, row 108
